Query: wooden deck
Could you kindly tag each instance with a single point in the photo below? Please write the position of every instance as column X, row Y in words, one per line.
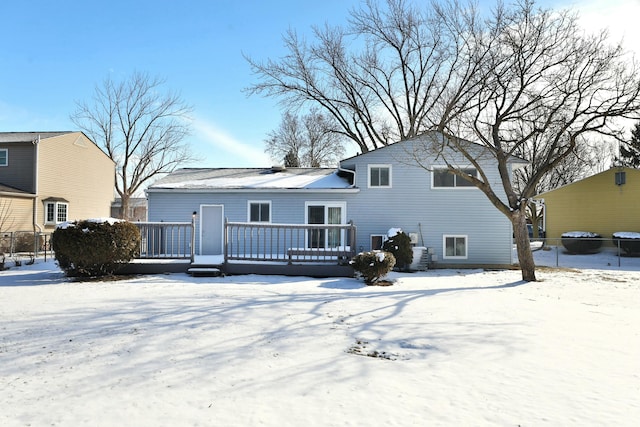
column 215, row 266
column 317, row 250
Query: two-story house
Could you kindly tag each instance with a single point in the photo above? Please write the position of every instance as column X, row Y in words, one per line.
column 377, row 191
column 50, row 177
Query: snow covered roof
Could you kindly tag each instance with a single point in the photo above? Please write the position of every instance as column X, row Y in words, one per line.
column 252, row 179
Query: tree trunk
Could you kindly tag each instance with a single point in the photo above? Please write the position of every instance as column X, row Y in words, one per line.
column 525, row 256
column 124, row 207
column 535, row 220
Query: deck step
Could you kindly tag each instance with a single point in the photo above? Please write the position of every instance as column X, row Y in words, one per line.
column 425, row 261
column 204, row 271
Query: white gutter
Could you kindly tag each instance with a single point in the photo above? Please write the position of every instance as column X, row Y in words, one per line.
column 341, row 169
column 252, row 190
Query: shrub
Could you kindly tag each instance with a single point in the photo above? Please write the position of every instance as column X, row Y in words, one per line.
column 399, row 244
column 581, row 242
column 373, row 265
column 92, row 248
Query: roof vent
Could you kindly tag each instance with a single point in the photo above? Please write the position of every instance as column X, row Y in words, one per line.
column 278, row 168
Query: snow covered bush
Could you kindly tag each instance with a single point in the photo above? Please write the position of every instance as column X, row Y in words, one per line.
column 629, row 241
column 581, row 242
column 399, row 244
column 373, row 265
column 94, row 247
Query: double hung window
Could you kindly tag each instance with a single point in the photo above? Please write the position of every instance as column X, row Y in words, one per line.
column 380, row 176
column 455, row 247
column 259, row 211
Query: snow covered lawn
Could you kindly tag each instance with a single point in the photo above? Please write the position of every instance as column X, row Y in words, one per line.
column 443, row 347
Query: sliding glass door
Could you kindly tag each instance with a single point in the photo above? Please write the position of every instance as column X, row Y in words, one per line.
column 325, row 213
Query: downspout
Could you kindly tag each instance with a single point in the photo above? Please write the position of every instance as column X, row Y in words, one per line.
column 352, row 230
column 36, row 143
column 341, row 169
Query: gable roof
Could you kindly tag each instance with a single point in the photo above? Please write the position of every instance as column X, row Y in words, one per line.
column 433, row 134
column 232, row 179
column 588, row 180
column 31, row 137
column 28, row 136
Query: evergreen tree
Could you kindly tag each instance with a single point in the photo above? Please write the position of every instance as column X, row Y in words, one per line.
column 630, row 151
column 291, row 160
column 400, row 246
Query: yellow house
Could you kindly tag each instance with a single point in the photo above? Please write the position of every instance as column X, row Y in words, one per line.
column 50, row 177
column 603, row 203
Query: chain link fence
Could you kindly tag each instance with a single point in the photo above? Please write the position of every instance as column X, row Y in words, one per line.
column 600, row 254
column 27, row 243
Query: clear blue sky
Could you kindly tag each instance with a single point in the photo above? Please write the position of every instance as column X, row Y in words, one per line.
column 54, row 53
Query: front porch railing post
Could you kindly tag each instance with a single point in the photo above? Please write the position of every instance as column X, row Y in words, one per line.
column 352, row 238
column 225, row 239
column 193, row 236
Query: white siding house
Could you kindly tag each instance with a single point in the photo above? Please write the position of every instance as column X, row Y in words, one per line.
column 376, row 191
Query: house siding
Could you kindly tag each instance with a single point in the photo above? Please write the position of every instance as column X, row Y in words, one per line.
column 412, row 205
column 594, row 204
column 72, row 167
column 19, row 172
column 18, row 214
column 408, row 203
column 286, row 207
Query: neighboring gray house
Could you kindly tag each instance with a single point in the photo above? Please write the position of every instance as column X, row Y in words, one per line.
column 376, row 191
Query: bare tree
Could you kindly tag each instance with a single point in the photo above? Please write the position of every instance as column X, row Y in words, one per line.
column 585, row 160
column 544, row 87
column 514, row 81
column 306, row 141
column 388, row 86
column 139, row 128
column 6, row 218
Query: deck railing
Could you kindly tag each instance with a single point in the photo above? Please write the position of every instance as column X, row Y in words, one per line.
column 160, row 240
column 290, row 243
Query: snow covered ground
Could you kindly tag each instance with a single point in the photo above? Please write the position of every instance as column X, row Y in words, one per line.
column 442, row 347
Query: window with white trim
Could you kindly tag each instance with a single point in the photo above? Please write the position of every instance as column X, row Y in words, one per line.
column 55, row 212
column 443, row 178
column 4, row 157
column 380, row 176
column 259, row 211
column 455, row 246
column 321, row 213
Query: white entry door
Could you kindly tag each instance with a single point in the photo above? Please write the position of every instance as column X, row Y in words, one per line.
column 211, row 229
